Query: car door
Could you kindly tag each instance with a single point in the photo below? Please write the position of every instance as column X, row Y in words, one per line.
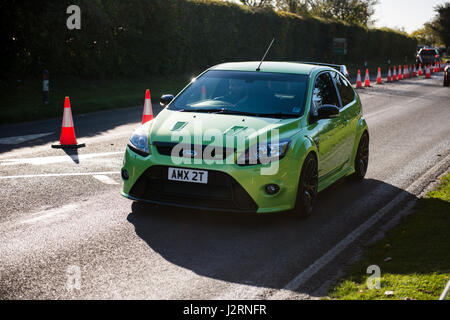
column 349, row 114
column 327, row 134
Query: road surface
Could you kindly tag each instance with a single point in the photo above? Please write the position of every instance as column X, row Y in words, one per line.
column 66, row 233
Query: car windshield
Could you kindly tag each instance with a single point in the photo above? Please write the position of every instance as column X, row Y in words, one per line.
column 427, row 52
column 244, row 93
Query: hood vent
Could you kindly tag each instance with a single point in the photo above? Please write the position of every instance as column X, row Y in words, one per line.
column 178, row 126
column 235, row 129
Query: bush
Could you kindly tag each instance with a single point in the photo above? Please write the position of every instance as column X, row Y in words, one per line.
column 140, row 37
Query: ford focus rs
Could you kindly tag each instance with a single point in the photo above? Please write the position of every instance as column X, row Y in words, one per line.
column 249, row 139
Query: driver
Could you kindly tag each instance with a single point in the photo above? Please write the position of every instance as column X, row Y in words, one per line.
column 237, row 91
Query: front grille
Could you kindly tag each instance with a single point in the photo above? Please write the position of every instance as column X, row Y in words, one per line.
column 221, row 193
column 167, row 148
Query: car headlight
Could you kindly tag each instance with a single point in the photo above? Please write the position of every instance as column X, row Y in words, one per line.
column 139, row 141
column 264, row 153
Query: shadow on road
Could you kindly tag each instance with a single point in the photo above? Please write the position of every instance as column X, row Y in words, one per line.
column 86, row 125
column 258, row 250
column 73, row 154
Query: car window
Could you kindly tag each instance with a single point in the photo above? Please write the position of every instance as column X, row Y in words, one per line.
column 345, row 89
column 428, row 52
column 262, row 93
column 324, row 92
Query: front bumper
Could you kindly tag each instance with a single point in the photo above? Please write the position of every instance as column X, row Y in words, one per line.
column 230, row 187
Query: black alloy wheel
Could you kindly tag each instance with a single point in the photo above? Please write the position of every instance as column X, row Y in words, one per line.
column 307, row 188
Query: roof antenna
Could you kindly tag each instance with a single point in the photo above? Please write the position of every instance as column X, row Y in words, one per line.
column 265, row 54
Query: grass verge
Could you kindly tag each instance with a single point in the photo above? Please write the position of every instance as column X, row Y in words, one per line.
column 414, row 257
column 23, row 101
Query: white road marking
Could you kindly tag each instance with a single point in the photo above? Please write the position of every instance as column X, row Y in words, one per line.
column 105, row 179
column 21, row 139
column 60, row 174
column 306, row 274
column 56, row 159
column 46, row 214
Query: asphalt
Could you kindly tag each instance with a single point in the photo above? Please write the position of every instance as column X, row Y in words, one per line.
column 52, row 225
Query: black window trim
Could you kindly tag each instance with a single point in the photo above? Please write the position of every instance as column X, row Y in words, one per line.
column 339, row 94
column 312, row 93
column 335, row 88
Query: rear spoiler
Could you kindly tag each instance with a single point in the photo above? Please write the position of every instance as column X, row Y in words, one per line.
column 339, row 67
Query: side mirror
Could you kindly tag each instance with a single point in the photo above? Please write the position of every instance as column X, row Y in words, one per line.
column 165, row 99
column 327, row 111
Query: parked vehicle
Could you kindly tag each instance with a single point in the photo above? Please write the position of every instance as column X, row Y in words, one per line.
column 427, row 56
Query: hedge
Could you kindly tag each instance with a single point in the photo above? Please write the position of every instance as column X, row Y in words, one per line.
column 147, row 37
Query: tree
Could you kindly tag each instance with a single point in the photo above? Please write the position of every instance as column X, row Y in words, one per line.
column 257, row 3
column 441, row 24
column 300, row 7
column 350, row 11
column 427, row 35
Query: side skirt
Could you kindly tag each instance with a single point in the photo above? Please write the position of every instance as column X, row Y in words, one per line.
column 328, row 180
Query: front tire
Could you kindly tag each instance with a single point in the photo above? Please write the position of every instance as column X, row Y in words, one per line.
column 307, row 188
column 362, row 158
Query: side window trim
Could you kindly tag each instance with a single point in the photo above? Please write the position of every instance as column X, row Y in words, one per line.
column 311, row 107
column 354, row 92
column 340, row 106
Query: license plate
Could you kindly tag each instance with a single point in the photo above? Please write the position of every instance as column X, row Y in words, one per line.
column 188, row 175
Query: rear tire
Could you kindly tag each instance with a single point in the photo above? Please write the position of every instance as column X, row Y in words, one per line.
column 362, row 158
column 307, row 188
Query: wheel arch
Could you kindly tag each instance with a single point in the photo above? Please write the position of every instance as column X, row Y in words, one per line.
column 360, row 130
column 304, row 145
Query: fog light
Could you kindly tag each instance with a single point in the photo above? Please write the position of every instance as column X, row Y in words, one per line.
column 272, row 189
column 125, row 174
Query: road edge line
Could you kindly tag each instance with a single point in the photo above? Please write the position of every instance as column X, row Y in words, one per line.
column 331, row 254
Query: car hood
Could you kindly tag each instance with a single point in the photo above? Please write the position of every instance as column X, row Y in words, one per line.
column 169, row 125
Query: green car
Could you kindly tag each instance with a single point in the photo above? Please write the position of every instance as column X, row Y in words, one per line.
column 247, row 139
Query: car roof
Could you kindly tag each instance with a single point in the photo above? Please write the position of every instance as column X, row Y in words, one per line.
column 269, row 66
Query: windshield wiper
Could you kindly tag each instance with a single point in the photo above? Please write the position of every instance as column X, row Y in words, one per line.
column 278, row 115
column 220, row 110
column 210, row 110
column 238, row 112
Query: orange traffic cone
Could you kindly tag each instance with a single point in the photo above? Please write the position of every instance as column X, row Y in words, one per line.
column 394, row 77
column 405, row 72
column 358, row 80
column 420, row 69
column 379, row 81
column 428, row 73
column 367, row 79
column 414, row 74
column 400, row 76
column 148, row 113
column 389, row 76
column 68, row 139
